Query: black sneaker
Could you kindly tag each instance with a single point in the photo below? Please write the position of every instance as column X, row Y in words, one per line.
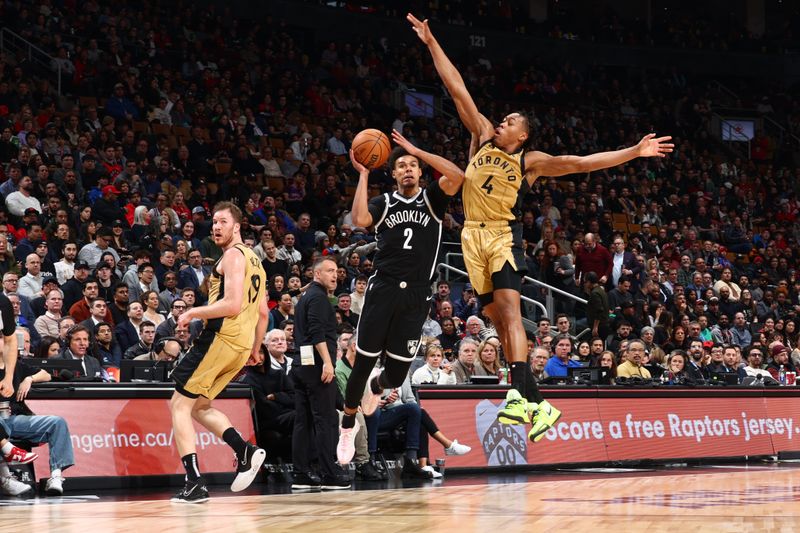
column 193, row 492
column 306, row 480
column 412, row 470
column 337, row 482
column 368, row 472
column 247, row 467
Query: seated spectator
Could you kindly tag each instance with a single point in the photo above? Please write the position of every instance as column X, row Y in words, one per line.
column 676, row 364
column 81, row 310
column 47, row 324
column 539, row 358
column 448, row 338
column 755, row 358
column 473, row 329
column 562, row 360
column 583, row 353
column 167, row 349
column 695, row 366
column 104, row 348
column 634, row 365
column 780, row 360
column 150, row 303
column 146, row 336
column 127, row 332
column 464, row 365
column 48, row 347
column 488, row 363
column 78, row 348
column 23, row 424
column 437, row 370
column 607, row 360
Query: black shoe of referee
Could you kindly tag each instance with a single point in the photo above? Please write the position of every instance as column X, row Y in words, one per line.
column 193, row 492
column 247, row 467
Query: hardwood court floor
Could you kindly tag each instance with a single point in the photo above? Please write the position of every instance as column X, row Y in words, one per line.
column 692, row 500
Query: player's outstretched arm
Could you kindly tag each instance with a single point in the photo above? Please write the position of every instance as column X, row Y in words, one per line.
column 542, row 164
column 232, row 267
column 465, row 105
column 360, row 211
column 452, row 176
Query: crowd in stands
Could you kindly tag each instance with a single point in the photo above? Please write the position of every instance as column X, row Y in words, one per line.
column 689, row 263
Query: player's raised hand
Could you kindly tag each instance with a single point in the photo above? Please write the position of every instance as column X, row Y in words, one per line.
column 361, row 169
column 650, row 146
column 404, row 143
column 420, row 28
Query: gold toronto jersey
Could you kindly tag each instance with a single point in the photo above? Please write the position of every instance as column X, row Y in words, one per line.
column 239, row 330
column 494, row 184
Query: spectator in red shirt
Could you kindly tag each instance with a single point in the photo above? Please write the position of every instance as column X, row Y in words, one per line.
column 594, row 257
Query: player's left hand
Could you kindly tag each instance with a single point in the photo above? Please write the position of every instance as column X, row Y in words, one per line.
column 361, row 169
column 404, row 143
column 650, row 146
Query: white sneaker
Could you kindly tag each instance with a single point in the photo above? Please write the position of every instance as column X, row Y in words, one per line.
column 346, row 448
column 457, row 449
column 434, row 473
column 55, row 486
column 370, row 400
column 10, row 486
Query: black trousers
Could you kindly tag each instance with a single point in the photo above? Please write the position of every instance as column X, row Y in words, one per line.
column 316, row 424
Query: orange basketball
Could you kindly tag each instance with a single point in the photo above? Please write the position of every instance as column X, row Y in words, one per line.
column 371, row 148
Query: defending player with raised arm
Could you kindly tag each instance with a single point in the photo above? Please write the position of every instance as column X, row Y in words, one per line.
column 235, row 321
column 497, row 178
column 408, row 228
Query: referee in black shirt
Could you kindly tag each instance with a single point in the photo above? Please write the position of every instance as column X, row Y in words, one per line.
column 316, row 426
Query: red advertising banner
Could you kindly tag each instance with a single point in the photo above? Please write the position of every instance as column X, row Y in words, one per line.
column 134, row 437
column 609, row 429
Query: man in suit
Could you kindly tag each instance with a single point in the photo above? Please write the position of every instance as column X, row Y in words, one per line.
column 146, row 274
column 170, row 292
column 77, row 348
column 623, row 264
column 196, row 272
column 127, row 332
column 168, row 327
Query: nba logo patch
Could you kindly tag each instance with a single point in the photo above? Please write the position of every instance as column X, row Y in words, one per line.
column 412, row 346
column 503, row 444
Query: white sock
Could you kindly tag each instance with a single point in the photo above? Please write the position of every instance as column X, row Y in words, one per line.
column 4, row 471
column 6, row 448
column 56, row 472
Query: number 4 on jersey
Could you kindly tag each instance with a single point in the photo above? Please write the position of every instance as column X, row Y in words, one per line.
column 487, row 185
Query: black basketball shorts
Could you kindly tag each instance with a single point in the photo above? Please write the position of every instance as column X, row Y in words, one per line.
column 392, row 317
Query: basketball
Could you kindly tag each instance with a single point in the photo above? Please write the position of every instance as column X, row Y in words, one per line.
column 371, row 148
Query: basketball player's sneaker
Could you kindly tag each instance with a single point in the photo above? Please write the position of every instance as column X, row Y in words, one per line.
column 516, row 409
column 346, row 448
column 193, row 492
column 247, row 467
column 370, row 399
column 545, row 418
column 20, row 456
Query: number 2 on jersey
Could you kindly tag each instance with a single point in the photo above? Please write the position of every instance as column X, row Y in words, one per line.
column 487, row 185
column 408, row 233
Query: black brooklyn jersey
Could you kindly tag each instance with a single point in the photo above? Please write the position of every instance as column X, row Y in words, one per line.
column 408, row 233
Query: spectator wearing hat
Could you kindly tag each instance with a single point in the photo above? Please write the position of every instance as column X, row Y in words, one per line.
column 780, row 358
column 121, row 107
column 467, row 305
column 91, row 253
column 18, row 201
column 107, row 209
column 73, row 288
